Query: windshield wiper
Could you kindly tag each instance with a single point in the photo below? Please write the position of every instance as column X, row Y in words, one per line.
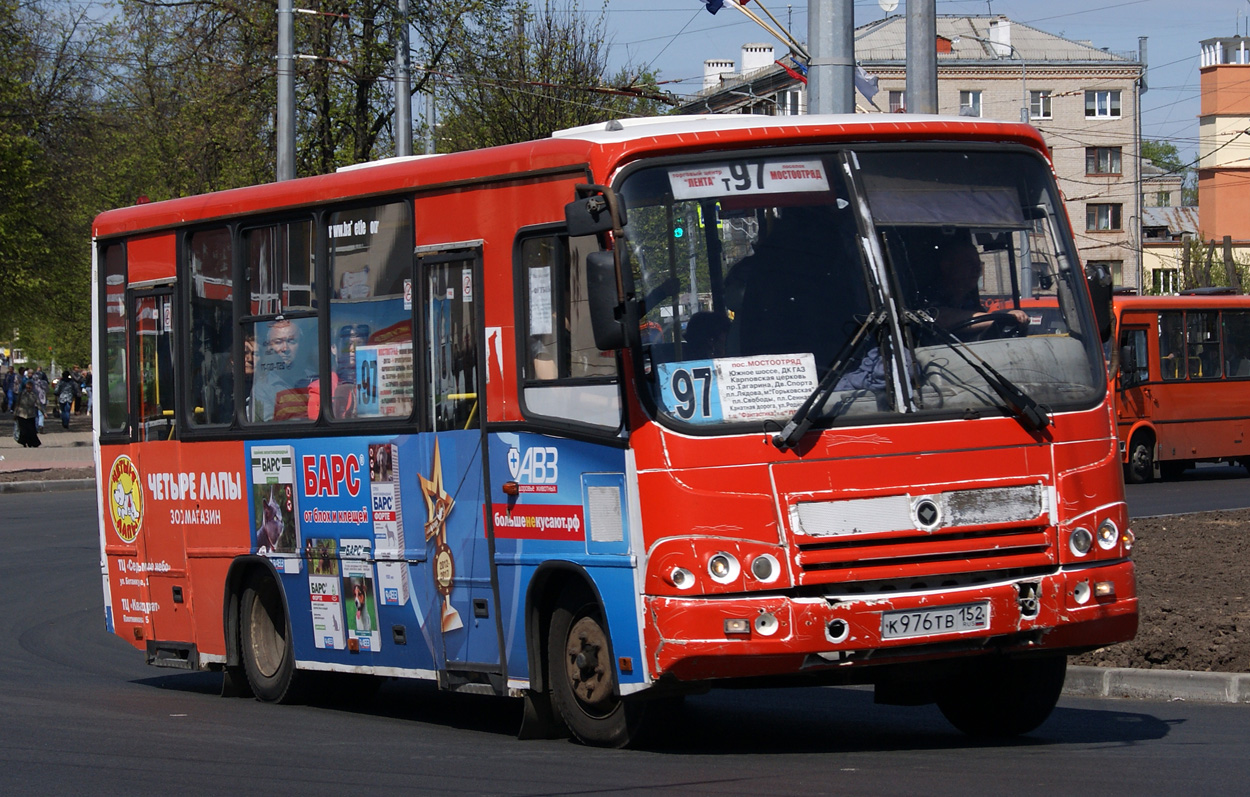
column 801, row 421
column 1032, row 415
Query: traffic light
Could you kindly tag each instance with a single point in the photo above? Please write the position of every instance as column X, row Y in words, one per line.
column 678, row 230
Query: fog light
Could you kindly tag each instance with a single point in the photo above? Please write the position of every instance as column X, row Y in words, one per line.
column 737, row 625
column 765, row 568
column 1104, row 589
column 765, row 624
column 1080, row 592
column 1108, row 535
column 723, row 568
column 1080, row 541
column 681, row 578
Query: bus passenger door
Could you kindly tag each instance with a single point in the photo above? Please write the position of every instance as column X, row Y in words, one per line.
column 162, row 478
column 452, row 475
column 1133, row 381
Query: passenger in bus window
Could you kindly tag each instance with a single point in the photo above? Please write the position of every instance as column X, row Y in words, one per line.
column 280, row 392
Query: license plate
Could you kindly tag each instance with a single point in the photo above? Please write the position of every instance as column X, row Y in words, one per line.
column 939, row 620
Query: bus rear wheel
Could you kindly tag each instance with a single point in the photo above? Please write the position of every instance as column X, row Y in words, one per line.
column 1141, row 461
column 584, row 687
column 1001, row 698
column 265, row 637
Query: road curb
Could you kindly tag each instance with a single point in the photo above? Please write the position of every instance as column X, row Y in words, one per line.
column 48, row 486
column 1134, row 684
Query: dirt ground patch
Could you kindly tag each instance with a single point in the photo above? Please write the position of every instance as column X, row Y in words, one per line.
column 1192, row 574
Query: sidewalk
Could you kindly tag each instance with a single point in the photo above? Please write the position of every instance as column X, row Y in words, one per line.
column 60, row 449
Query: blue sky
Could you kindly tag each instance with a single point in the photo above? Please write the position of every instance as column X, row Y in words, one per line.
column 676, row 36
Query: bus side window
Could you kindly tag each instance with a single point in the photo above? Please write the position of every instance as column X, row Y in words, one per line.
column 1203, row 340
column 209, row 256
column 564, row 375
column 280, row 326
column 1172, row 361
column 1236, row 329
column 371, row 363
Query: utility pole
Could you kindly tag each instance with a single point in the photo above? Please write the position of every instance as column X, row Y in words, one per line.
column 403, row 87
column 921, row 95
column 831, row 71
column 286, row 90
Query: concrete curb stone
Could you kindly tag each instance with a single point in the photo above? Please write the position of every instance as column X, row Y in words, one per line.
column 1135, row 684
column 48, row 486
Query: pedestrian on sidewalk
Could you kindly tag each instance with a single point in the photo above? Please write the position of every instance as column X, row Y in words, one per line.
column 66, row 393
column 27, row 410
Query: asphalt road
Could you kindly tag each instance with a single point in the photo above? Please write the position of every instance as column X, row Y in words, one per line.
column 1201, row 489
column 83, row 714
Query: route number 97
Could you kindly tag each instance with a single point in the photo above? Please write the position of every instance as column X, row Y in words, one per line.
column 693, row 391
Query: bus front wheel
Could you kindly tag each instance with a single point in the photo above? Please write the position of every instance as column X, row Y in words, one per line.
column 268, row 658
column 1141, row 461
column 584, row 686
column 1001, row 698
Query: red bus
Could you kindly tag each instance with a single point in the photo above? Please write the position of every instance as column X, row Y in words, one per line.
column 598, row 420
column 1182, row 385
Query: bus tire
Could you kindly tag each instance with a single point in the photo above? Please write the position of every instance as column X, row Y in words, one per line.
column 584, row 689
column 1141, row 461
column 1000, row 698
column 265, row 642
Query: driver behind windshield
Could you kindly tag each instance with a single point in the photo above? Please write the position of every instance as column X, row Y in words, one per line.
column 952, row 294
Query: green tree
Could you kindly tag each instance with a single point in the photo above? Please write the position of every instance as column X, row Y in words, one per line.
column 542, row 70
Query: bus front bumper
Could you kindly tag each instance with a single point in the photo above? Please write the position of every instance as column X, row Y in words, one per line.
column 1074, row 609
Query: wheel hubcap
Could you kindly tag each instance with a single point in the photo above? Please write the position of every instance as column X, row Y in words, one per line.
column 590, row 678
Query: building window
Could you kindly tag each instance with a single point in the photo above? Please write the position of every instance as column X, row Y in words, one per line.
column 1163, row 199
column 1102, row 160
column 1039, row 104
column 1102, row 216
column 1165, row 281
column 789, row 102
column 898, row 102
column 969, row 103
column 1102, row 104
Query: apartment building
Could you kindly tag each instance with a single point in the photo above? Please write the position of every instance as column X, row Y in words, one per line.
column 1084, row 99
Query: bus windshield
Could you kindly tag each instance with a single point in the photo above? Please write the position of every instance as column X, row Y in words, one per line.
column 902, row 281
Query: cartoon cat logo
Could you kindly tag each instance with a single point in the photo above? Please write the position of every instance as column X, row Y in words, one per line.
column 125, row 499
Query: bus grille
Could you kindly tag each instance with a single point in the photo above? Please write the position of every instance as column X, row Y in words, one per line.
column 922, row 536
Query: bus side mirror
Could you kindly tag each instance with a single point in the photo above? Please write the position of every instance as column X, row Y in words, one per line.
column 606, row 323
column 594, row 211
column 1098, row 279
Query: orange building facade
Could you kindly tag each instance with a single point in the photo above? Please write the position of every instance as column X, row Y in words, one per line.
column 1223, row 144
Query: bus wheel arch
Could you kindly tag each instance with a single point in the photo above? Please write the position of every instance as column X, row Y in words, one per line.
column 1139, row 468
column 572, row 666
column 260, row 647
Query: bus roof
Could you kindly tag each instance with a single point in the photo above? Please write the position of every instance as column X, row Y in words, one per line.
column 1200, row 302
column 596, row 149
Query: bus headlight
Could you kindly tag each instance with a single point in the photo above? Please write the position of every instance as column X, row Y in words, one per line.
column 681, row 578
column 765, row 568
column 1080, row 541
column 1108, row 535
column 723, row 568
